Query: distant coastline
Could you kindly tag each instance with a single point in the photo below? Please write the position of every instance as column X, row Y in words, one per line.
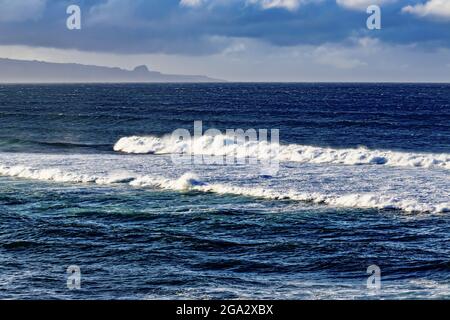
column 23, row 71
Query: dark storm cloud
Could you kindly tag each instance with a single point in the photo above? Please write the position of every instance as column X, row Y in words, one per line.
column 165, row 26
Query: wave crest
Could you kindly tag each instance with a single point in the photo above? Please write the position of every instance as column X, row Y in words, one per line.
column 223, row 145
column 191, row 182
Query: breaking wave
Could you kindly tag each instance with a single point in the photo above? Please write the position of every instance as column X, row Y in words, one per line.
column 191, row 182
column 223, row 145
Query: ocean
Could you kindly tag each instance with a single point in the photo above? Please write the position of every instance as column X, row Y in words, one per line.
column 89, row 181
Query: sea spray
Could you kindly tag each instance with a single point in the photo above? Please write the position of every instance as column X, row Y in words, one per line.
column 208, row 146
column 191, row 182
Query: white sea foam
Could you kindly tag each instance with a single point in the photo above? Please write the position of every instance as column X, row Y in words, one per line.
column 367, row 200
column 56, row 175
column 188, row 181
column 191, row 182
column 222, row 145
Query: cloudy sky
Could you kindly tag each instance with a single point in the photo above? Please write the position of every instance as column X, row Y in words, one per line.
column 239, row 40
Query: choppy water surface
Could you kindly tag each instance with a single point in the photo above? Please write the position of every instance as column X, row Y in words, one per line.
column 87, row 178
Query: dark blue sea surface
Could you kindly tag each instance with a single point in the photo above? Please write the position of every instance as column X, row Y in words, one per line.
column 365, row 183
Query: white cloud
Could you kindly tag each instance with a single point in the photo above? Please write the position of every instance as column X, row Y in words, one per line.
column 434, row 8
column 361, row 4
column 337, row 57
column 290, row 5
column 191, row 3
column 284, row 4
column 235, row 48
column 112, row 12
column 14, row 10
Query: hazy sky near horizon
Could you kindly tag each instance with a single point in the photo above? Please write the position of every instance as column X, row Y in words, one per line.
column 239, row 40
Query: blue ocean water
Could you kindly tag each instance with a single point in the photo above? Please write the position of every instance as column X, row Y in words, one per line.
column 87, row 178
